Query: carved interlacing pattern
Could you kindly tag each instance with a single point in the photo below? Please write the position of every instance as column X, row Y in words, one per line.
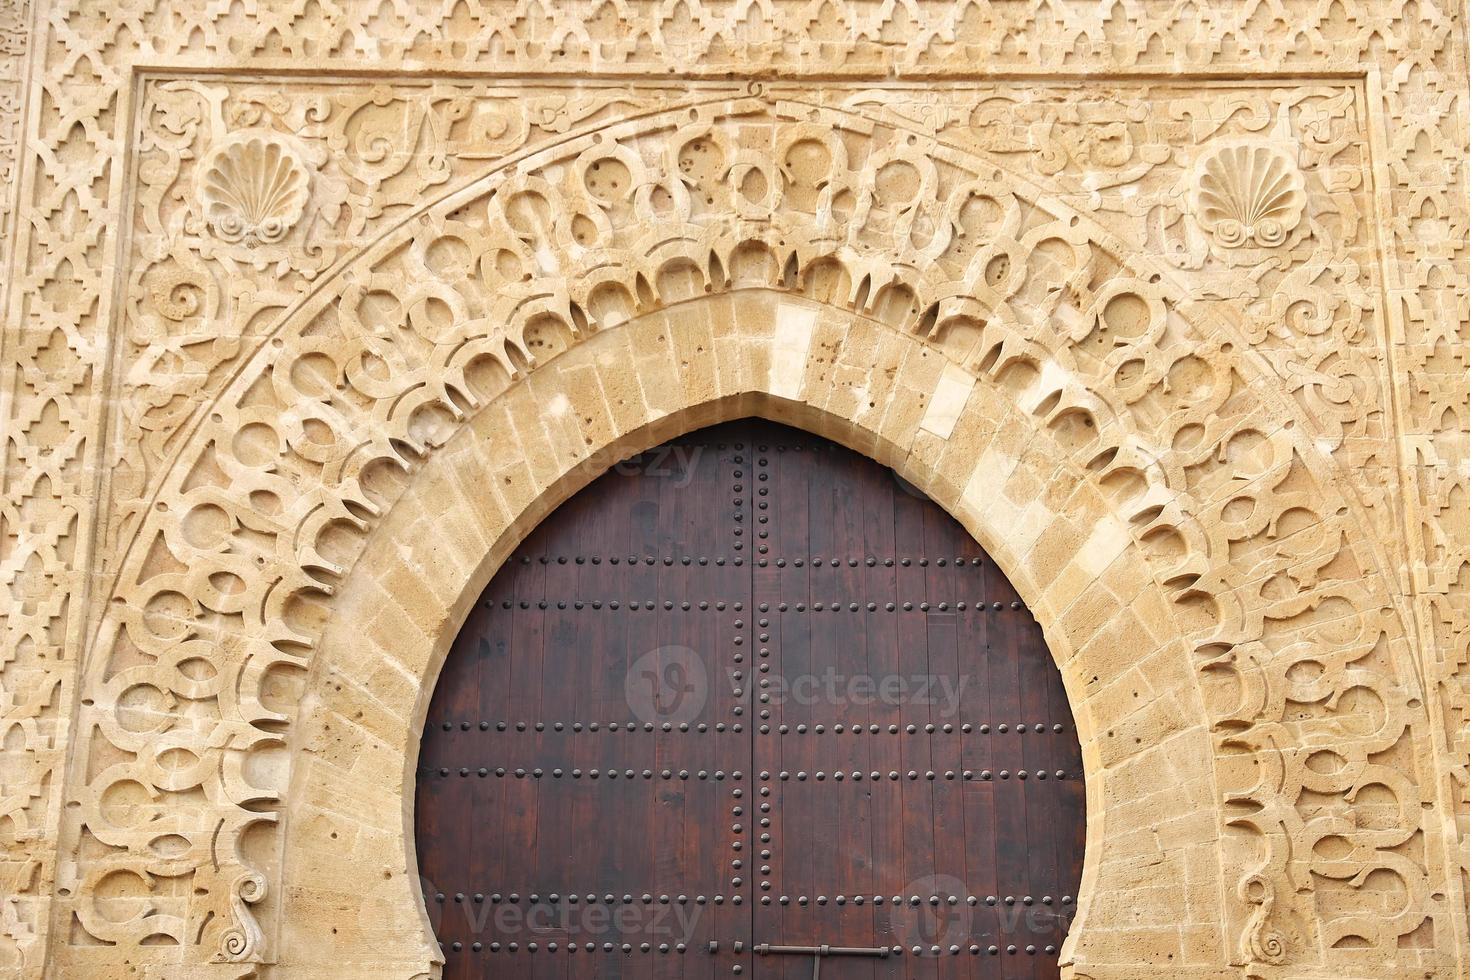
column 197, row 304
column 226, row 585
column 1315, row 318
column 31, row 740
column 1131, row 151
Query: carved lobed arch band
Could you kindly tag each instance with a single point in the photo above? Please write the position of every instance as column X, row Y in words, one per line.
column 1026, row 496
column 938, row 264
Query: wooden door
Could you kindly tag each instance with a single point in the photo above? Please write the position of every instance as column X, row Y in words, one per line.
column 749, row 693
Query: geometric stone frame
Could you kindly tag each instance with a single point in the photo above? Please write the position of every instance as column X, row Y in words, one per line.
column 1260, row 895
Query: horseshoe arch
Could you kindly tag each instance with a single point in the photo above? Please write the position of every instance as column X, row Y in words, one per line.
column 832, row 271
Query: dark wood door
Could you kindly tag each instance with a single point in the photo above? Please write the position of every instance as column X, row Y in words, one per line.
column 745, row 693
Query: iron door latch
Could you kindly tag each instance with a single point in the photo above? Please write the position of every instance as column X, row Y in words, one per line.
column 818, row 953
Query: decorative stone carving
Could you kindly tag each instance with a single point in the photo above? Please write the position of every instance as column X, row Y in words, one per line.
column 1248, row 195
column 253, row 190
column 496, row 282
column 1261, row 944
column 1350, row 641
column 240, row 943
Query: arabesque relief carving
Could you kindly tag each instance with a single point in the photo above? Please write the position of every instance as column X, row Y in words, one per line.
column 848, row 208
column 1243, row 303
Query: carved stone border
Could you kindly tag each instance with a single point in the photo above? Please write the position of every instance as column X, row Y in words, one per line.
column 987, row 304
column 1422, row 63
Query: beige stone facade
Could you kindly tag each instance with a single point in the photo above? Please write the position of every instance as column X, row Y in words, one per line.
column 313, row 308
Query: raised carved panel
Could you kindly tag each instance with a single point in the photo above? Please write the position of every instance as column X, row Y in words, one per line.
column 371, row 153
column 1129, row 156
column 838, row 198
column 124, row 358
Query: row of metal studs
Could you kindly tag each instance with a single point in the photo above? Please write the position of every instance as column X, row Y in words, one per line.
column 968, row 774
column 613, row 727
column 590, row 773
column 816, row 561
column 633, row 604
column 767, row 833
column 651, row 605
column 801, row 729
column 495, row 947
column 556, row 898
column 983, row 775
column 737, row 804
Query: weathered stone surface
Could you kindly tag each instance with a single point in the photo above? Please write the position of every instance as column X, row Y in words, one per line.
column 314, row 310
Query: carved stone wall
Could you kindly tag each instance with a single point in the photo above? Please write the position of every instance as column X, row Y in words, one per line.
column 282, row 280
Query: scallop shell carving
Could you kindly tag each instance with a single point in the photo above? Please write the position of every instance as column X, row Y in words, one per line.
column 254, row 191
column 1249, row 195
